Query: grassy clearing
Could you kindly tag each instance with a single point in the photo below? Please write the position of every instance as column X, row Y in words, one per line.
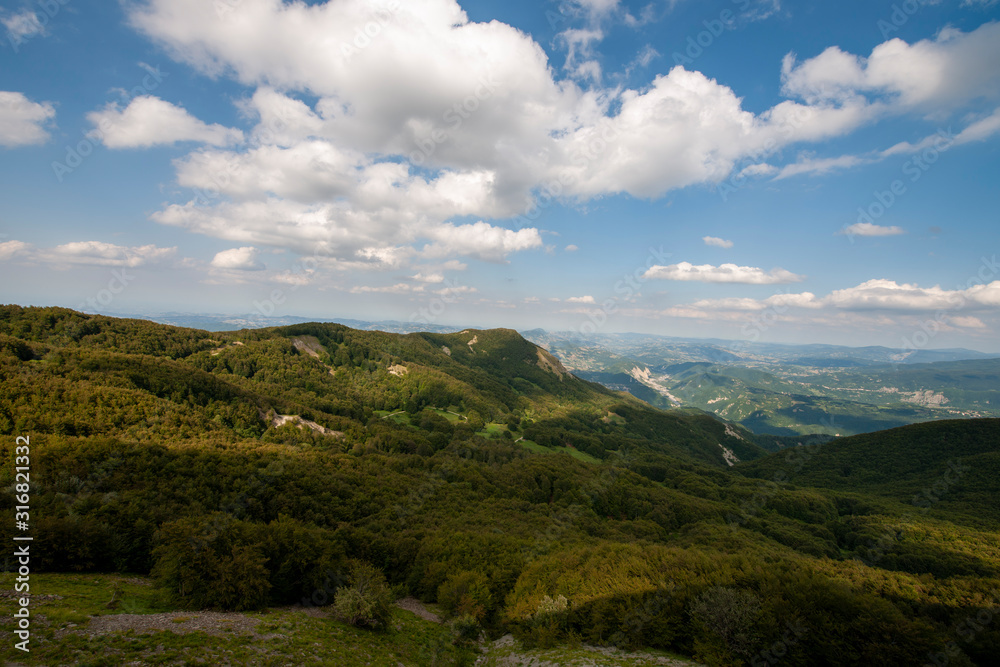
column 402, row 417
column 398, row 416
column 532, row 446
column 450, row 416
column 493, row 430
column 541, row 449
column 282, row 636
column 61, row 627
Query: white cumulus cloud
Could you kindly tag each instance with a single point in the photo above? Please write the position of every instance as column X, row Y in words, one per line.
column 88, row 253
column 725, row 273
column 453, row 290
column 398, row 288
column 149, row 121
column 106, row 254
column 22, row 122
column 872, row 295
column 943, row 72
column 717, row 242
column 480, row 240
column 359, row 154
column 239, row 259
column 428, row 278
column 871, row 229
column 11, row 249
column 23, row 24
column 884, row 294
column 800, row 300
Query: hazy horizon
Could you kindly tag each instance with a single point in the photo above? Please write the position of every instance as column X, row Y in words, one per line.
column 459, row 325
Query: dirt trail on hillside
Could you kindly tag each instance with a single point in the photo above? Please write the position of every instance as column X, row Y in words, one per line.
column 418, row 608
column 209, row 622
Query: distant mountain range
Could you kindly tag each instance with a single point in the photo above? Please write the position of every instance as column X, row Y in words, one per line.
column 787, row 390
column 221, row 322
column 654, row 349
column 630, row 344
column 769, row 388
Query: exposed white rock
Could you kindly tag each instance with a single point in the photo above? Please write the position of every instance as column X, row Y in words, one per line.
column 295, row 420
column 733, row 433
column 729, row 455
column 644, row 376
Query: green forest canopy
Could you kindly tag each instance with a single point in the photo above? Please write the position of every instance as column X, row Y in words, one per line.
column 162, row 450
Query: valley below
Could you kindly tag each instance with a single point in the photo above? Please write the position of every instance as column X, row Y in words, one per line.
column 787, row 390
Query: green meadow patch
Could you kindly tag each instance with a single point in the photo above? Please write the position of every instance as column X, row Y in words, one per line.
column 71, row 609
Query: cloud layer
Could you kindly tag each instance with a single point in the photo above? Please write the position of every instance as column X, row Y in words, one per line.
column 418, row 116
column 877, row 296
column 87, row 253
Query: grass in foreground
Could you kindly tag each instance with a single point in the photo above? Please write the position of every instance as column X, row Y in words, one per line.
column 71, row 615
column 508, row 651
column 63, row 631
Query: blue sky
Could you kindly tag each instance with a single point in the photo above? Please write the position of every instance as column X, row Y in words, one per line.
column 744, row 169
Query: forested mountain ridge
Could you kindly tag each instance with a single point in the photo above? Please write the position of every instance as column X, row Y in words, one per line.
column 335, row 376
column 949, row 468
column 253, row 468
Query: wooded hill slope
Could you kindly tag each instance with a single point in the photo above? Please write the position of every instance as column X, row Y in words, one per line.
column 252, row 468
